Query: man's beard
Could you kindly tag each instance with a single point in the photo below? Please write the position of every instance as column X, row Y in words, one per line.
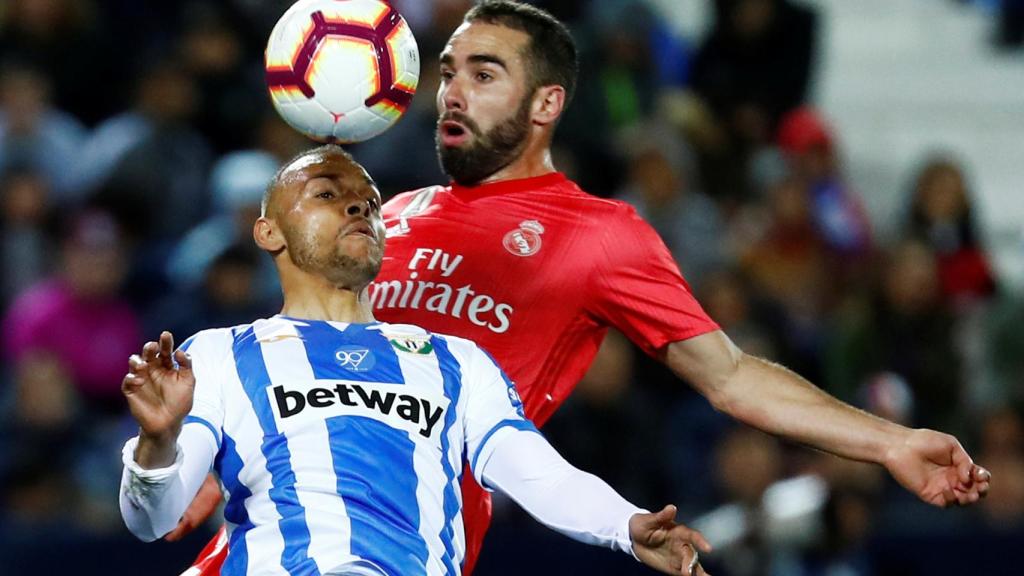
column 489, row 152
column 336, row 267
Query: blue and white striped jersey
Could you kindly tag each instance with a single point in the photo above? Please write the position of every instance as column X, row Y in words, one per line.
column 345, row 443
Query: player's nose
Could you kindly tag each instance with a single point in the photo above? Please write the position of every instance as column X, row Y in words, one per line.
column 452, row 96
column 358, row 207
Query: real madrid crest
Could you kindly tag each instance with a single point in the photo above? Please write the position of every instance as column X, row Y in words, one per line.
column 525, row 240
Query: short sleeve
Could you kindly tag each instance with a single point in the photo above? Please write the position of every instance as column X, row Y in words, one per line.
column 493, row 409
column 209, row 352
column 637, row 287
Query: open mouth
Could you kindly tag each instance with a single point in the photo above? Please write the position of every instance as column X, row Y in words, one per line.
column 453, row 133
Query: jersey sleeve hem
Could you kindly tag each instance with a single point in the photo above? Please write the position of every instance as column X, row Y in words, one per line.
column 692, row 332
column 213, row 430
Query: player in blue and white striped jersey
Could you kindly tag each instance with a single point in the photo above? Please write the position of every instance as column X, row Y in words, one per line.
column 340, row 440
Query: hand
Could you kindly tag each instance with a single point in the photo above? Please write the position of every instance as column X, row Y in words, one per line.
column 936, row 468
column 159, row 396
column 666, row 546
column 202, row 507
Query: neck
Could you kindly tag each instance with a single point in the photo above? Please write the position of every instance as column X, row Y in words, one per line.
column 535, row 160
column 314, row 298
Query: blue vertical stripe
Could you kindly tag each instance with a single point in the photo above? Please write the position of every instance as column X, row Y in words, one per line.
column 372, row 460
column 451, row 372
column 228, row 464
column 374, row 464
column 252, row 371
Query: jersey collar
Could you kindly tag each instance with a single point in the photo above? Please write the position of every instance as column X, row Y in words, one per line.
column 507, row 186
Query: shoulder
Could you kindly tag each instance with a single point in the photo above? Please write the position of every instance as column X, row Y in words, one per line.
column 462, row 349
column 401, row 202
column 213, row 339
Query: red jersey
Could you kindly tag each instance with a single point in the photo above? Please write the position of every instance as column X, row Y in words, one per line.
column 535, row 271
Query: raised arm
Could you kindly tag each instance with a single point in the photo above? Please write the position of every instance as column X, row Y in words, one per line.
column 164, row 465
column 580, row 505
column 771, row 398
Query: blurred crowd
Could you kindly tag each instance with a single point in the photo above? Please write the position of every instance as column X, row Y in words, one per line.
column 135, row 143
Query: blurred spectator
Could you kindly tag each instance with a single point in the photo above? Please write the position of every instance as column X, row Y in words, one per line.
column 237, row 183
column 25, row 243
column 787, row 261
column 32, row 132
column 809, row 149
column 77, row 319
column 903, row 329
column 148, row 165
column 1002, row 451
column 228, row 296
column 626, row 81
column 279, row 139
column 40, row 434
column 726, row 298
column 942, row 216
column 231, row 91
column 1005, row 349
column 59, row 38
column 753, row 68
column 747, row 463
column 755, row 65
column 847, row 520
column 616, row 89
column 660, row 187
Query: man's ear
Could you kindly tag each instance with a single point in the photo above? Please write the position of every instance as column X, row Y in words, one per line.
column 548, row 104
column 267, row 235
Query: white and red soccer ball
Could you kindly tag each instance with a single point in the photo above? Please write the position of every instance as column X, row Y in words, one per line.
column 341, row 70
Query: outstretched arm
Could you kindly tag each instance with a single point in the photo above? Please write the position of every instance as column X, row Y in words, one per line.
column 526, row 468
column 773, row 399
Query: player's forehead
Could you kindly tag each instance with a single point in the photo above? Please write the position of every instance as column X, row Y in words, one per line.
column 473, row 40
column 329, row 166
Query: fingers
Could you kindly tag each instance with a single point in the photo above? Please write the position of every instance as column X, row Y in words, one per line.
column 666, row 515
column 130, row 383
column 691, row 561
column 948, row 497
column 980, row 474
column 698, row 539
column 166, row 349
column 983, row 478
column 150, row 351
column 183, row 359
column 136, row 365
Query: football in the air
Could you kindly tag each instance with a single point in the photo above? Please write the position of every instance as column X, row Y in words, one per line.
column 341, row 70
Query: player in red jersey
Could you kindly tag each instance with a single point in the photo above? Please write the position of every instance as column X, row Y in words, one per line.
column 517, row 258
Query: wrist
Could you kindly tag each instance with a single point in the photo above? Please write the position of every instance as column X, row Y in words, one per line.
column 157, row 450
column 896, row 443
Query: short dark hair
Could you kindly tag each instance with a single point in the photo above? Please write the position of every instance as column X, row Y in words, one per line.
column 324, row 150
column 551, row 52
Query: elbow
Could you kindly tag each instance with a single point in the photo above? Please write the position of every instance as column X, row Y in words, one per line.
column 723, row 388
column 139, row 522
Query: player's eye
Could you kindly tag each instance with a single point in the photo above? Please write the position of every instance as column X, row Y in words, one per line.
column 447, row 74
column 325, row 195
column 484, row 76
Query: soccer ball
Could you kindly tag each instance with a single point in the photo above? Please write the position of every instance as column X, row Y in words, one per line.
column 341, row 70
